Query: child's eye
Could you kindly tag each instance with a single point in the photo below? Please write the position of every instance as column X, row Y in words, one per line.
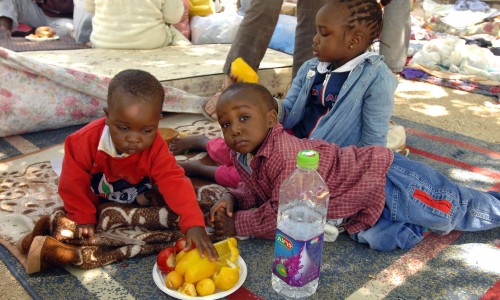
column 244, row 118
column 224, row 124
column 122, row 128
column 146, row 131
column 322, row 32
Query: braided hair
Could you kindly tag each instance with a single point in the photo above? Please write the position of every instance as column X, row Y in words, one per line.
column 367, row 13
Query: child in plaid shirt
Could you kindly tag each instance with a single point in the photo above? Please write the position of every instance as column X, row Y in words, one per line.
column 385, row 199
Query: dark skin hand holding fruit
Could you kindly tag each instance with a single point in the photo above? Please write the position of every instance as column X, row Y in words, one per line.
column 181, row 244
column 197, row 235
column 191, row 274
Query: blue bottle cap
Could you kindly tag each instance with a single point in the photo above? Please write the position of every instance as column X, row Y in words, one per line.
column 308, row 159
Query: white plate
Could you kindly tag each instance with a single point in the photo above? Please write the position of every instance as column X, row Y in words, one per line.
column 37, row 39
column 159, row 278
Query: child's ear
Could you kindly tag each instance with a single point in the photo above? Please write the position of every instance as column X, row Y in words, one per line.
column 356, row 40
column 272, row 118
column 106, row 113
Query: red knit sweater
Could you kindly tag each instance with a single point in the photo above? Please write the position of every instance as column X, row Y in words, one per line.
column 83, row 162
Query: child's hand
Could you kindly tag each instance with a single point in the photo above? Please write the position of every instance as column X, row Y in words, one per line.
column 85, row 230
column 198, row 235
column 225, row 203
column 224, row 225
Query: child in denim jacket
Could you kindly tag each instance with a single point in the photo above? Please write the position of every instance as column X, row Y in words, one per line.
column 344, row 96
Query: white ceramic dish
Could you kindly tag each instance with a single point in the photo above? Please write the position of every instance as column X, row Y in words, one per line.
column 37, row 39
column 159, row 278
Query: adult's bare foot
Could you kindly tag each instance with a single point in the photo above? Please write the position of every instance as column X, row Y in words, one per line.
column 212, row 102
column 5, row 28
column 188, row 143
column 210, row 105
column 5, row 33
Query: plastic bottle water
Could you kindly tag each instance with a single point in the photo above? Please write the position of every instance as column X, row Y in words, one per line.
column 303, row 204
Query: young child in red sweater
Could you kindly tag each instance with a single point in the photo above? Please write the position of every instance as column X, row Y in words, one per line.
column 121, row 156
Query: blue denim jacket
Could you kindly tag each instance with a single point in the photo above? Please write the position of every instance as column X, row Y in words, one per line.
column 363, row 109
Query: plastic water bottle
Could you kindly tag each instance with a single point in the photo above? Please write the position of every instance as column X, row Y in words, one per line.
column 303, row 204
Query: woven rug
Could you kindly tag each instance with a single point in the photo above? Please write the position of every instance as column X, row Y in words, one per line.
column 20, row 44
column 454, row 266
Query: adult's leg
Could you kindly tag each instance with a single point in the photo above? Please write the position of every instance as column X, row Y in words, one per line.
column 8, row 16
column 305, row 31
column 254, row 33
column 396, row 34
column 250, row 42
column 24, row 11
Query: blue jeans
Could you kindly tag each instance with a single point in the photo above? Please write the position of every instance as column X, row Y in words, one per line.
column 419, row 198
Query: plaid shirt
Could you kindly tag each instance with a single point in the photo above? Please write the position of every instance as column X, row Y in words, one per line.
column 355, row 177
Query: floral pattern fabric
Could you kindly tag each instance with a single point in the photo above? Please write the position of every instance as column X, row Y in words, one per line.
column 53, row 89
column 36, row 96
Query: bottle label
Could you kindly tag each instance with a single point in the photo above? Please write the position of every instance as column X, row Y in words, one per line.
column 297, row 262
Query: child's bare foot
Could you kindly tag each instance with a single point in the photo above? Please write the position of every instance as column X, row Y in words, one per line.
column 142, row 200
column 188, row 143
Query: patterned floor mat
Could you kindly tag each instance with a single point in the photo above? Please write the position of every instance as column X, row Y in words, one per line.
column 454, row 266
column 21, row 44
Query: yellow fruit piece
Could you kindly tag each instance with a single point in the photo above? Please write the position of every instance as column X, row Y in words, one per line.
column 184, row 133
column 205, row 287
column 199, row 2
column 227, row 250
column 179, row 256
column 194, row 267
column 201, row 8
column 188, row 289
column 174, row 280
column 227, row 277
column 243, row 71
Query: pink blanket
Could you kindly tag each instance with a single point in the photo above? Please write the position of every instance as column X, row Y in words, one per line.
column 36, row 96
